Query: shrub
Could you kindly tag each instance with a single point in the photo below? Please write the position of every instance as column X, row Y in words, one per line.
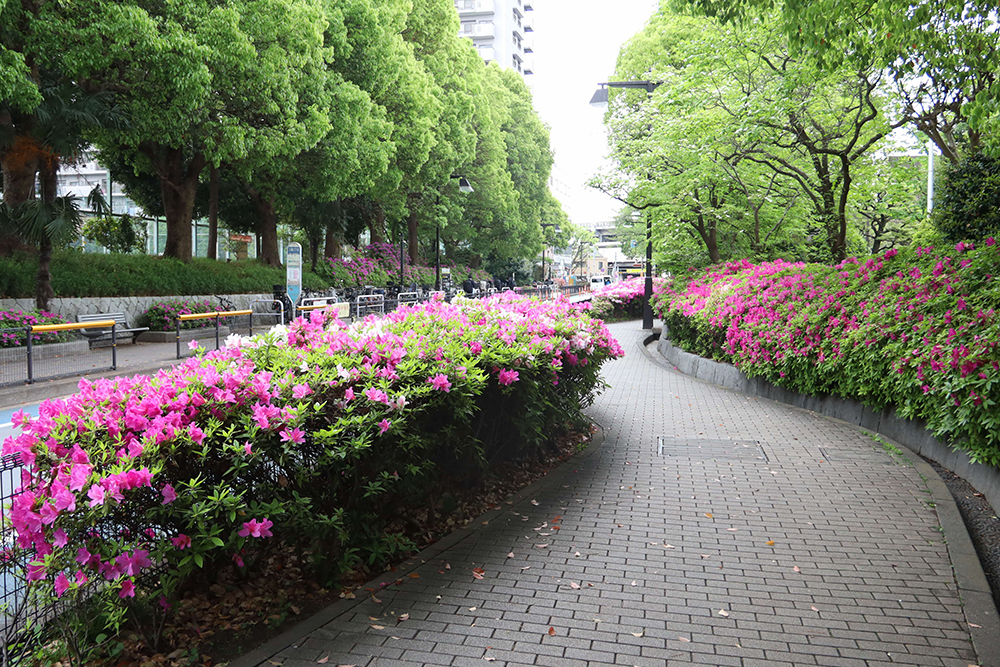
column 378, row 265
column 623, row 300
column 917, row 329
column 18, row 320
column 162, row 315
column 78, row 274
column 319, row 435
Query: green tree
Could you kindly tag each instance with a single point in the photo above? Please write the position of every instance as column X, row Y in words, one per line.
column 969, row 203
column 201, row 84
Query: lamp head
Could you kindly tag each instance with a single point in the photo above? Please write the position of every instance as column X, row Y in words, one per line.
column 464, row 185
column 600, row 98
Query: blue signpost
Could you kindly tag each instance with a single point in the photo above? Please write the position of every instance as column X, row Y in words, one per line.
column 293, row 274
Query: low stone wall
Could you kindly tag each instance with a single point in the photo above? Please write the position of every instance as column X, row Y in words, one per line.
column 204, row 334
column 132, row 306
column 911, row 432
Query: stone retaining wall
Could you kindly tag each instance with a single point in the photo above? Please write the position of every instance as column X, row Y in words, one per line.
column 911, row 432
column 132, row 306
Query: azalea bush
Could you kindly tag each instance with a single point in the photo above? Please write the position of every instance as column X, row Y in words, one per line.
column 377, row 264
column 917, row 329
column 318, row 435
column 623, row 300
column 14, row 324
column 162, row 315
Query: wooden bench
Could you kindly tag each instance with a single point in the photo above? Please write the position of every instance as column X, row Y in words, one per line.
column 98, row 334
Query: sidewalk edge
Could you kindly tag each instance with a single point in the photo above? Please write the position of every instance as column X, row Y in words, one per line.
column 302, row 629
column 978, row 605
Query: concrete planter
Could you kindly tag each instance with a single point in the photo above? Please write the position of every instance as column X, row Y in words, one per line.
column 204, row 334
column 910, row 432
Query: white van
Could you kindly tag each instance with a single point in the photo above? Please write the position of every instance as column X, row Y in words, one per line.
column 599, row 281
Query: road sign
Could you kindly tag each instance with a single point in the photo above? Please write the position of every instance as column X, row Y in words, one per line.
column 293, row 272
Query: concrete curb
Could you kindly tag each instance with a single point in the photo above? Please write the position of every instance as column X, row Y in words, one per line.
column 301, row 630
column 979, row 606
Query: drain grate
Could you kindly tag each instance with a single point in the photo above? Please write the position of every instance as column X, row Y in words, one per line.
column 860, row 454
column 695, row 448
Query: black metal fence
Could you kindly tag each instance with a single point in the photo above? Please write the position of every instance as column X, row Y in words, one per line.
column 47, row 352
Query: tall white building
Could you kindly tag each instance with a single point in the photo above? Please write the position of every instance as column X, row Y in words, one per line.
column 501, row 30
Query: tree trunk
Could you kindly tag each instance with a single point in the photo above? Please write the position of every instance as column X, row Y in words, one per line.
column 266, row 227
column 332, row 247
column 43, row 281
column 411, row 228
column 376, row 225
column 313, row 251
column 178, row 187
column 213, row 213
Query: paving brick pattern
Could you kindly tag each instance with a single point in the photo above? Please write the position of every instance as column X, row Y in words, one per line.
column 823, row 553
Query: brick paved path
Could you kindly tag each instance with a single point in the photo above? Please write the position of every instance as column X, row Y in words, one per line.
column 763, row 535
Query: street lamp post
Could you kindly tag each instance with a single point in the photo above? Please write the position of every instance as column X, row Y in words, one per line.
column 463, row 186
column 600, row 99
column 544, row 244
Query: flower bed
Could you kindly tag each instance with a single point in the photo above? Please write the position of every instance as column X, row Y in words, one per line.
column 313, row 435
column 917, row 329
column 14, row 322
column 623, row 300
column 162, row 316
column 378, row 264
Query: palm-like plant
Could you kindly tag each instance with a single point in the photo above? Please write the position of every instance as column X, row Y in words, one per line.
column 58, row 133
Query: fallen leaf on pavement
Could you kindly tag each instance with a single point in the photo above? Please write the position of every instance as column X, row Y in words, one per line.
column 510, row 555
column 668, row 546
column 404, row 617
column 541, row 546
column 473, row 608
column 796, row 569
column 723, row 612
column 633, row 583
column 684, row 639
column 378, row 627
column 636, row 634
column 526, row 567
column 574, row 585
column 709, row 515
column 815, row 609
column 577, row 554
column 534, row 502
column 770, row 543
column 413, row 575
column 323, row 660
column 478, row 572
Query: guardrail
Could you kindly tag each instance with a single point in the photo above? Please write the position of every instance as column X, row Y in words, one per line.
column 26, row 370
column 218, row 315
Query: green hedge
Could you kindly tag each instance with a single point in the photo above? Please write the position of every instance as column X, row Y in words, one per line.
column 76, row 274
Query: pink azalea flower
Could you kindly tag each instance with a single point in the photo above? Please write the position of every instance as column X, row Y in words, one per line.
column 128, row 589
column 169, row 495
column 96, row 495
column 238, row 560
column 182, row 541
column 294, row 435
column 193, row 345
column 247, row 448
column 301, row 391
column 383, row 425
column 349, row 394
column 376, row 395
column 61, row 584
column 254, row 528
column 440, row 382
column 508, row 377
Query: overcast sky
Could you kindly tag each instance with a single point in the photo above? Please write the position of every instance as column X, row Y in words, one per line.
column 576, row 45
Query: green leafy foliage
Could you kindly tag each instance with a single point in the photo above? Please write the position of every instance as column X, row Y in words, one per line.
column 968, row 207
column 120, row 234
column 77, row 274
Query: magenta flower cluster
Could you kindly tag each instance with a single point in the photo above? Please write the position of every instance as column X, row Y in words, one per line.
column 918, row 329
column 202, row 462
column 14, row 323
column 162, row 315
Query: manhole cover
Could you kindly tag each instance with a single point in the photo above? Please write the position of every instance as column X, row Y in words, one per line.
column 694, row 448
